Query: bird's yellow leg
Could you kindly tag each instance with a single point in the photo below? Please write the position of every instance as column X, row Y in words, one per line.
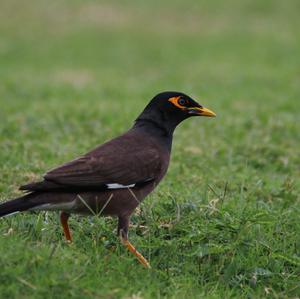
column 123, row 233
column 132, row 249
column 64, row 222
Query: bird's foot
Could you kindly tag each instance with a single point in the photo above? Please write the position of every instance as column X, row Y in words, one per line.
column 139, row 256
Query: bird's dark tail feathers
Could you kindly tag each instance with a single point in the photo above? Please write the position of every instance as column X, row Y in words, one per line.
column 19, row 204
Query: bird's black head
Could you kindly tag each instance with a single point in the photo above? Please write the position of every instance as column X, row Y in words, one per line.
column 170, row 108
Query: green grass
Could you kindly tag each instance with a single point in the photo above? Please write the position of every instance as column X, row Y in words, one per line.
column 225, row 220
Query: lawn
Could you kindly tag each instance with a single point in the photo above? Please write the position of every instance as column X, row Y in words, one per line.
column 224, row 223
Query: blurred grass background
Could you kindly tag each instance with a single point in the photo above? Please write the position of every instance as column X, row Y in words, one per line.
column 225, row 221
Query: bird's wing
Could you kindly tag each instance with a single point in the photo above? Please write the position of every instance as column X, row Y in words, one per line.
column 118, row 162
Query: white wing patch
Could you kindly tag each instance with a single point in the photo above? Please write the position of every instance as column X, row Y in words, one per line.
column 119, row 186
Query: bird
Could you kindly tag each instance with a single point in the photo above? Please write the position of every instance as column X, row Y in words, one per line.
column 113, row 178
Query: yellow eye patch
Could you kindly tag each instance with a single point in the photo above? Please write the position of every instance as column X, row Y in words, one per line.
column 175, row 101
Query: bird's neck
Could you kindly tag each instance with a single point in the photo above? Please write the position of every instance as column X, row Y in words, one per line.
column 156, row 129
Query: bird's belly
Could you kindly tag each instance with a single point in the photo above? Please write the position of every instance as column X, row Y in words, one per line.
column 109, row 202
column 63, row 206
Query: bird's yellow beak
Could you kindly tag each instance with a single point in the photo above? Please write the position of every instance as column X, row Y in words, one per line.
column 201, row 111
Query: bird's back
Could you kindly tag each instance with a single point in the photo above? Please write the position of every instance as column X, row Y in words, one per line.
column 132, row 158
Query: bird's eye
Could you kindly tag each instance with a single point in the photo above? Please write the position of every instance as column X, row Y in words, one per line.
column 182, row 102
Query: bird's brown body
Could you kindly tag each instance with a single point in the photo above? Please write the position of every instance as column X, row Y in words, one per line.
column 64, row 189
column 115, row 177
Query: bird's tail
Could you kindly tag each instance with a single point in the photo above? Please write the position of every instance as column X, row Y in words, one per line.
column 19, row 204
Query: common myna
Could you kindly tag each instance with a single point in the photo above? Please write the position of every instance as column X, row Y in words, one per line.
column 115, row 177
